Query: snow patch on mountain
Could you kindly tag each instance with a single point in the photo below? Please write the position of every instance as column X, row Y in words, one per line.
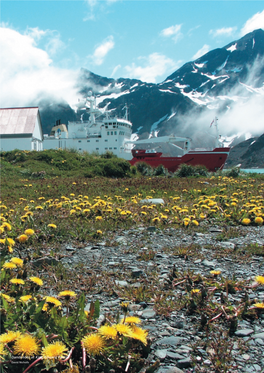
column 232, row 48
column 167, row 90
column 155, row 125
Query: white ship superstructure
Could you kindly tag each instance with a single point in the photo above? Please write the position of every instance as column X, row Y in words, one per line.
column 99, row 134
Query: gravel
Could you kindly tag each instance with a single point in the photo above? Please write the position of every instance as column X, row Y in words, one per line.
column 172, row 337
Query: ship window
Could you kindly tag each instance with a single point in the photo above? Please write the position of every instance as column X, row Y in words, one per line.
column 115, row 148
column 88, row 140
column 110, row 148
column 80, row 148
column 106, row 148
column 106, row 126
column 97, row 148
column 111, row 132
column 108, row 133
column 116, row 139
column 80, row 141
column 115, row 133
column 97, row 140
column 106, row 140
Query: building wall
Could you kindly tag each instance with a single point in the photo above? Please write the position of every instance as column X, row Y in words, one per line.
column 9, row 144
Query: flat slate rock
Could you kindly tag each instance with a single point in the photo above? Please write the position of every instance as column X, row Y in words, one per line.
column 172, row 341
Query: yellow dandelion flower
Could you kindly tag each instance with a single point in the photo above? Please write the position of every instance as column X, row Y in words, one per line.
column 39, row 208
column 36, row 280
column 8, row 298
column 3, row 352
column 26, row 345
column 54, row 351
column 67, row 293
column 99, row 231
column 10, row 241
column 7, row 226
column 246, row 221
column 22, row 238
column 131, row 320
column 260, row 279
column 259, row 306
column 215, row 272
column 9, row 265
column 17, row 281
column 17, row 261
column 139, row 334
column 52, row 300
column 259, row 220
column 98, row 218
column 107, row 331
column 123, row 329
column 8, row 337
column 93, row 344
column 25, row 298
column 195, row 222
column 54, row 226
column 195, row 291
column 29, row 232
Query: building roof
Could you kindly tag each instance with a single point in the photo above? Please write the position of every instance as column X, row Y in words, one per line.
column 14, row 121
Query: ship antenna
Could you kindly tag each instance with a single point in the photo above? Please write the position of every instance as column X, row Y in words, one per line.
column 126, row 111
column 217, row 133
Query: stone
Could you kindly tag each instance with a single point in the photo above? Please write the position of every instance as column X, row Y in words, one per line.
column 148, row 313
column 244, row 332
column 155, row 201
column 169, row 369
column 161, row 354
column 184, row 363
column 172, row 341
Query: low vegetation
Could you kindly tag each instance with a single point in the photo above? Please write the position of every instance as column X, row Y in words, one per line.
column 53, row 198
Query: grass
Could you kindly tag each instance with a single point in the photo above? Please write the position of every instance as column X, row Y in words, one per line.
column 55, row 198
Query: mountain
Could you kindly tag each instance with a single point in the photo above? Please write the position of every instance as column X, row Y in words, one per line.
column 248, row 153
column 186, row 101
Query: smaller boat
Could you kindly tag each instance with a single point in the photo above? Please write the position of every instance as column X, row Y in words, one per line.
column 213, row 160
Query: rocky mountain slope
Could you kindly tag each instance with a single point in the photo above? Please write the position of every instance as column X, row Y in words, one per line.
column 248, row 154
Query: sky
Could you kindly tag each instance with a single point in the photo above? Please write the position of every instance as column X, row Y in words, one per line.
column 44, row 44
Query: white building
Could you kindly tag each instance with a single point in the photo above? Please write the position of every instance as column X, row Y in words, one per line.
column 20, row 128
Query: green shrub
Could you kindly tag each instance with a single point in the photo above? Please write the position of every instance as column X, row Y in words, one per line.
column 233, row 172
column 187, row 170
column 144, row 168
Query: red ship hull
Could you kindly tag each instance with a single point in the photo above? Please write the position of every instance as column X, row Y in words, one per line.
column 213, row 160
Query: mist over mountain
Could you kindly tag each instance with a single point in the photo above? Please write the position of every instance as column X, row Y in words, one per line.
column 227, row 83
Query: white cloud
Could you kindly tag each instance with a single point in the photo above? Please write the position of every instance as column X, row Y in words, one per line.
column 154, row 65
column 253, row 23
column 27, row 74
column 102, row 50
column 115, row 70
column 172, row 31
column 201, row 52
column 224, row 31
column 92, row 4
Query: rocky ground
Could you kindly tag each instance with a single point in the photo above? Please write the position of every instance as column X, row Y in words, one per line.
column 173, row 336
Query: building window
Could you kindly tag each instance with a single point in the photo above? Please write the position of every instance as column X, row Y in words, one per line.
column 80, row 141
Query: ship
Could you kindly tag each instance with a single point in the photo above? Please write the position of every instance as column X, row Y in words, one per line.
column 104, row 132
